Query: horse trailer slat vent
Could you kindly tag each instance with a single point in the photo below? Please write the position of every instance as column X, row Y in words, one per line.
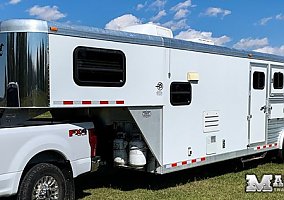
column 211, row 121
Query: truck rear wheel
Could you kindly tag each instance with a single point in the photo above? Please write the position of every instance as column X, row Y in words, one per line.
column 45, row 181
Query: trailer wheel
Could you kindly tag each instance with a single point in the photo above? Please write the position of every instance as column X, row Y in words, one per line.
column 45, row 181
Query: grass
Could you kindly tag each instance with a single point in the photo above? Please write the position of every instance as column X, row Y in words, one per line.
column 224, row 180
column 218, row 181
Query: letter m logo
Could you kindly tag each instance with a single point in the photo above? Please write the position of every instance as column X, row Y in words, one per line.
column 254, row 186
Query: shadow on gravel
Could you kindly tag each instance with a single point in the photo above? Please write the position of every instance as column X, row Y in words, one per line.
column 127, row 180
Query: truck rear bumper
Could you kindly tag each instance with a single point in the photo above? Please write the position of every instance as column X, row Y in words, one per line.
column 9, row 183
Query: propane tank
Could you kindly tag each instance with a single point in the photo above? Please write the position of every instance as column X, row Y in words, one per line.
column 119, row 149
column 137, row 152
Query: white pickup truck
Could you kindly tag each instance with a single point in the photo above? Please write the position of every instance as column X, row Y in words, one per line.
column 40, row 161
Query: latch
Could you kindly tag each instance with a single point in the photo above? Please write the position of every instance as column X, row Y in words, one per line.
column 269, row 109
column 1, row 49
column 263, row 108
column 249, row 117
column 189, row 151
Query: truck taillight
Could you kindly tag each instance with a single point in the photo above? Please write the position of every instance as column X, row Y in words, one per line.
column 93, row 141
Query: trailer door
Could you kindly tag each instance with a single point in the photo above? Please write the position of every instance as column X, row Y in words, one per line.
column 257, row 107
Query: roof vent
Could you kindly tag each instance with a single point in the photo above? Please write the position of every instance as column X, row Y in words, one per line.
column 149, row 29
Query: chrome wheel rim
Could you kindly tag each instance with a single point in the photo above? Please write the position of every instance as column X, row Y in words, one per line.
column 46, row 188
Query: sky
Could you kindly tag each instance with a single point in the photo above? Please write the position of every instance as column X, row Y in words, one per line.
column 256, row 25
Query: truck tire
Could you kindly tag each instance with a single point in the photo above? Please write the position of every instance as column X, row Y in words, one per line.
column 45, row 181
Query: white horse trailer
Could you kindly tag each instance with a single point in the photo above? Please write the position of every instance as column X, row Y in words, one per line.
column 157, row 103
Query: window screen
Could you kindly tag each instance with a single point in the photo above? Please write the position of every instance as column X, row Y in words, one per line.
column 258, row 80
column 278, row 80
column 99, row 67
column 180, row 93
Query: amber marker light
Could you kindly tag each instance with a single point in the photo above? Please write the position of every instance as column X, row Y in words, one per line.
column 53, row 28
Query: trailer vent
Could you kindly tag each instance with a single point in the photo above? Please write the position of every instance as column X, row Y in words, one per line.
column 211, row 121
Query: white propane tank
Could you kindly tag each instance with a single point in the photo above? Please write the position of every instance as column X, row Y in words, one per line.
column 137, row 152
column 119, row 149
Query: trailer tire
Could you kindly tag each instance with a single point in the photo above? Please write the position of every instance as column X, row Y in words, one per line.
column 280, row 156
column 45, row 181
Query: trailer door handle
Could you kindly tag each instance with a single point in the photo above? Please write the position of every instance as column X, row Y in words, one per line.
column 1, row 49
column 263, row 108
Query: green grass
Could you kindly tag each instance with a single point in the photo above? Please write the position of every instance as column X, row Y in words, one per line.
column 218, row 181
column 46, row 115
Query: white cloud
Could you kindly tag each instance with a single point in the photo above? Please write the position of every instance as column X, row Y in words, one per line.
column 214, row 12
column 279, row 16
column 221, row 40
column 14, row 2
column 182, row 5
column 265, row 20
column 272, row 50
column 46, row 13
column 259, row 45
column 181, row 14
column 192, row 34
column 249, row 43
column 161, row 14
column 123, row 21
column 159, row 4
column 140, row 6
column 181, row 9
column 176, row 25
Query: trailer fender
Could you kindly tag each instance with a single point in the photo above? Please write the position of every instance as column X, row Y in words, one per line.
column 281, row 140
column 280, row 155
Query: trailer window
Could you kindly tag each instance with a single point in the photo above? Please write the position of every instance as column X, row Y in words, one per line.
column 180, row 93
column 99, row 67
column 278, row 80
column 258, row 80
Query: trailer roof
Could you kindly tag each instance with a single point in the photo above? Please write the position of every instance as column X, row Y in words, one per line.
column 30, row 25
column 134, row 38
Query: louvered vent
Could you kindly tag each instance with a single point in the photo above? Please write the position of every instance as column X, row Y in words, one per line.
column 211, row 121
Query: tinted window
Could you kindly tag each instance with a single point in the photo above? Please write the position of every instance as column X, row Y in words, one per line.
column 180, row 93
column 258, row 80
column 99, row 67
column 278, row 80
